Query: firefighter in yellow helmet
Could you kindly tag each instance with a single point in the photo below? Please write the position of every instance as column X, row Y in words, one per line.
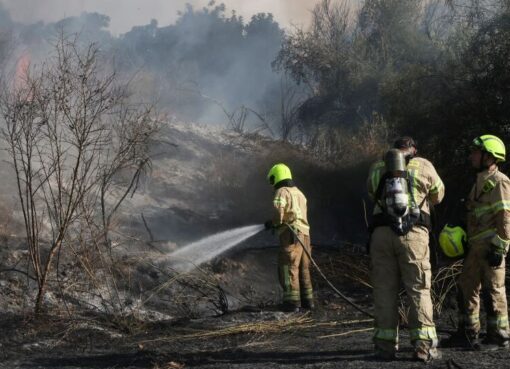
column 293, row 263
column 403, row 187
column 488, row 231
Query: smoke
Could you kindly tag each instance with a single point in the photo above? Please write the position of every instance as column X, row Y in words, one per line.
column 136, row 12
column 201, row 63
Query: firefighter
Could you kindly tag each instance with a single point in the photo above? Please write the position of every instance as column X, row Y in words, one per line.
column 488, row 233
column 293, row 263
column 403, row 187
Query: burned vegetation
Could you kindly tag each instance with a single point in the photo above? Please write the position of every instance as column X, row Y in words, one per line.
column 105, row 177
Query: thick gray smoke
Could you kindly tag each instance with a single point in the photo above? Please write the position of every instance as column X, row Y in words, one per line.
column 208, row 64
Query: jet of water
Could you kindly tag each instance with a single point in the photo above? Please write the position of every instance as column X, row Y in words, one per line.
column 206, row 249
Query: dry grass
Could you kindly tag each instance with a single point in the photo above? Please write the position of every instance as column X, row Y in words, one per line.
column 261, row 330
column 346, row 267
column 444, row 282
column 347, row 146
column 292, row 322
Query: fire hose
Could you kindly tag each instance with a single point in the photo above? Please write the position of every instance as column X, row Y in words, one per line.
column 340, row 294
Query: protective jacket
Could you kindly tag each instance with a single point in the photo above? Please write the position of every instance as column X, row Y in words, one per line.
column 290, row 205
column 488, row 207
column 488, row 227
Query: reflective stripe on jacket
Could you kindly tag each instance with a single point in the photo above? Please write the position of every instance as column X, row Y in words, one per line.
column 488, row 206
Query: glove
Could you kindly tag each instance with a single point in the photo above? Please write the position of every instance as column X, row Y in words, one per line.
column 497, row 252
column 268, row 225
column 494, row 258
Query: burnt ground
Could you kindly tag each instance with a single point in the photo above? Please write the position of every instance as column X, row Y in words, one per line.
column 255, row 336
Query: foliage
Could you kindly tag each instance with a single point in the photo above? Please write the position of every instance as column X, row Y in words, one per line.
column 421, row 65
column 446, row 105
column 436, row 70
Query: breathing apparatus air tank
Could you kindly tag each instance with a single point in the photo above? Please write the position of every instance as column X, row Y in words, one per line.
column 395, row 161
column 396, row 188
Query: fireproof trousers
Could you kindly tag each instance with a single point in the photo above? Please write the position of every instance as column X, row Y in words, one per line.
column 294, row 268
column 405, row 259
column 478, row 276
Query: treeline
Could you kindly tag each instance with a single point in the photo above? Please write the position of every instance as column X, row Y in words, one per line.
column 344, row 86
column 438, row 70
column 210, row 66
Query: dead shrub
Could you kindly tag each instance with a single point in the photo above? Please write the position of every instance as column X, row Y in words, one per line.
column 78, row 147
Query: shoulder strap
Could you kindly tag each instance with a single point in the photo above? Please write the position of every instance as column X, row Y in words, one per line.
column 380, row 186
column 487, row 187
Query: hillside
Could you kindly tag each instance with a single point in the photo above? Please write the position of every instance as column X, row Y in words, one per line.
column 129, row 309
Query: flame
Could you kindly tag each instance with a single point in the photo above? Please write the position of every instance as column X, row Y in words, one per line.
column 21, row 76
column 22, row 72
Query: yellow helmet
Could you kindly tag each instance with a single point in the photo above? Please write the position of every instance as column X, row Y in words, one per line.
column 492, row 144
column 452, row 240
column 278, row 173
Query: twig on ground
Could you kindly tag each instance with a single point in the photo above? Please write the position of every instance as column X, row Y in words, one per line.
column 346, row 333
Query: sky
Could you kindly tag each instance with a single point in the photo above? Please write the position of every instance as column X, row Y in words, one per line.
column 127, row 13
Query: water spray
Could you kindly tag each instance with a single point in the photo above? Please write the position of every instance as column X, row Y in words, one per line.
column 205, row 249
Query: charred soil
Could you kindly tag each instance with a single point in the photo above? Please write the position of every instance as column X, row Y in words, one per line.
column 254, row 334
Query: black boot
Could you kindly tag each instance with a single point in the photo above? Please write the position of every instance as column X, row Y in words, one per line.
column 462, row 339
column 307, row 304
column 496, row 339
column 289, row 307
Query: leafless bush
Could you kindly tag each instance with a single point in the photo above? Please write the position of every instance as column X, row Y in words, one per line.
column 72, row 138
